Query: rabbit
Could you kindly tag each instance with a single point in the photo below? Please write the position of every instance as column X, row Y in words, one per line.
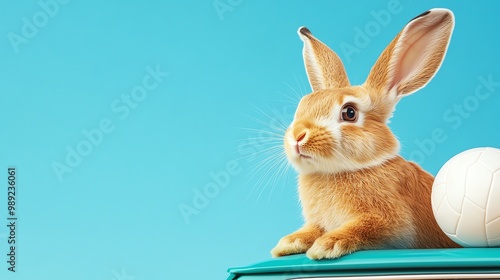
column 356, row 192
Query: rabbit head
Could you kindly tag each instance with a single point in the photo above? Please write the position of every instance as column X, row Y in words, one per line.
column 339, row 127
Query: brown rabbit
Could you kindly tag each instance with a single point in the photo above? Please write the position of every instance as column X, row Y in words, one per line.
column 356, row 192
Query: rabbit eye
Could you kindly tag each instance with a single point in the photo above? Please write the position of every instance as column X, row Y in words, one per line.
column 349, row 113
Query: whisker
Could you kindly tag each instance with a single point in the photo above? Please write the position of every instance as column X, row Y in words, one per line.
column 262, row 152
column 266, row 157
column 266, row 174
column 257, row 139
column 260, row 165
column 272, row 118
column 254, row 146
column 261, row 130
column 277, row 175
column 296, row 93
column 259, row 121
column 291, row 99
column 288, row 170
column 304, row 87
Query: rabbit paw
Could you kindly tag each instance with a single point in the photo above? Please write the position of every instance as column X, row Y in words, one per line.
column 289, row 245
column 331, row 247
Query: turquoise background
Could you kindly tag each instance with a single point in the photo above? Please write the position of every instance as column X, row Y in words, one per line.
column 232, row 76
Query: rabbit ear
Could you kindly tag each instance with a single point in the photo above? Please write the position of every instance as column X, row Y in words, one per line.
column 414, row 56
column 324, row 68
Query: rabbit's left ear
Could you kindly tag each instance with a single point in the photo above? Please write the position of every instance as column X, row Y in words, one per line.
column 323, row 66
column 414, row 56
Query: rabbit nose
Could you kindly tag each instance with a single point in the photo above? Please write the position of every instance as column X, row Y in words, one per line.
column 300, row 132
column 301, row 136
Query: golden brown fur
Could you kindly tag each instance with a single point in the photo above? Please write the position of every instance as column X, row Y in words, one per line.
column 356, row 192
